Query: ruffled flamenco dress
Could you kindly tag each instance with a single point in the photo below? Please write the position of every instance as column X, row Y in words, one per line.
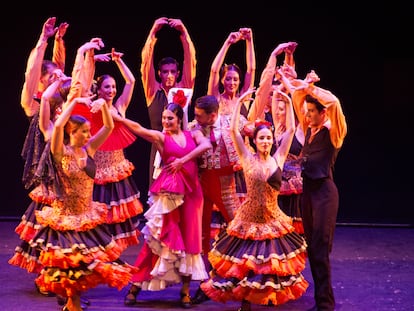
column 42, row 194
column 172, row 232
column 114, row 184
column 77, row 249
column 258, row 257
column 38, row 176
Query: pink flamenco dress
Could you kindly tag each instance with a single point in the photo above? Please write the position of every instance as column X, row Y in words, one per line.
column 77, row 249
column 258, row 257
column 172, row 232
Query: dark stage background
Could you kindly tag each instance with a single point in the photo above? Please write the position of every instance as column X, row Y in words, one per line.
column 366, row 64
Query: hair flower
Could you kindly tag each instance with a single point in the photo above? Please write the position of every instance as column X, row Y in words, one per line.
column 180, row 98
column 262, row 122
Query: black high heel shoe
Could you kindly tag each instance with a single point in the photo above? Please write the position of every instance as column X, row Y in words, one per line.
column 185, row 301
column 199, row 297
column 131, row 298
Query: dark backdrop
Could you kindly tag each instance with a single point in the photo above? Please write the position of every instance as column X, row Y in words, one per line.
column 358, row 60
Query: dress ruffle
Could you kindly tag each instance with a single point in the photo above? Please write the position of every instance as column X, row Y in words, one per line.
column 72, row 281
column 53, row 217
column 74, row 261
column 42, row 195
column 25, row 256
column 235, row 257
column 251, row 230
column 258, row 257
column 28, row 225
column 121, row 199
column 264, row 291
column 115, row 187
column 262, row 271
column 162, row 225
column 163, row 239
column 114, row 173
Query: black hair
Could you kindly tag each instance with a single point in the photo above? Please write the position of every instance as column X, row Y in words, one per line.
column 177, row 110
column 46, row 64
column 208, row 103
column 262, row 126
column 99, row 82
column 313, row 100
column 168, row 60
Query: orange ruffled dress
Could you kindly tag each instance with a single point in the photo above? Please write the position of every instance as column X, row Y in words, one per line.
column 258, row 257
column 77, row 249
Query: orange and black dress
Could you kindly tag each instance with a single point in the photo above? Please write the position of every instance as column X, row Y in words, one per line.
column 77, row 249
column 259, row 257
column 114, row 184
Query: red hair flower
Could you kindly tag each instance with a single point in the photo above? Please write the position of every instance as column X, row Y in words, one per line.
column 180, row 98
column 262, row 122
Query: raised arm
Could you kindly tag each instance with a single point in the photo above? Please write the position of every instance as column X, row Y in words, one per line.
column 289, row 51
column 108, row 125
column 190, row 61
column 265, row 86
column 124, row 99
column 249, row 77
column 214, row 78
column 338, row 126
column 58, row 133
column 148, row 74
column 84, row 69
column 59, row 48
column 152, row 136
column 290, row 127
column 234, row 125
column 45, row 122
column 34, row 67
column 291, row 85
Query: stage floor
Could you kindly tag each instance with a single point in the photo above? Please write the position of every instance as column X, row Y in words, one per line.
column 372, row 270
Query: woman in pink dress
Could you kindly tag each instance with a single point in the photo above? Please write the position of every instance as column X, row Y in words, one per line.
column 172, row 250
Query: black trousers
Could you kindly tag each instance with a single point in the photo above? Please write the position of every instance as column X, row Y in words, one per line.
column 320, row 202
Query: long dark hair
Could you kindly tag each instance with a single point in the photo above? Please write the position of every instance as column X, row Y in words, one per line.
column 177, row 110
